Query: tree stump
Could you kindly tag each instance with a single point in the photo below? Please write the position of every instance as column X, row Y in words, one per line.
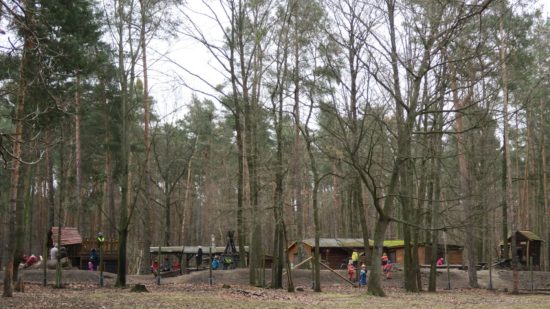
column 139, row 288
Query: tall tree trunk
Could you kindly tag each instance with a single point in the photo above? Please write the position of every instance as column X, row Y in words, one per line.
column 123, row 154
column 167, row 215
column 297, row 168
column 465, row 195
column 508, row 160
column 63, row 194
column 241, row 229
column 435, row 196
column 544, row 213
column 315, row 206
column 355, row 128
column 383, row 220
column 78, row 161
column 16, row 163
column 50, row 202
column 146, row 141
column 239, row 129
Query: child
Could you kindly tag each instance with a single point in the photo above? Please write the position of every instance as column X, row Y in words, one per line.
column 363, row 275
column 387, row 269
column 351, row 271
column 440, row 261
column 215, row 263
column 90, row 265
column 155, row 267
column 384, row 259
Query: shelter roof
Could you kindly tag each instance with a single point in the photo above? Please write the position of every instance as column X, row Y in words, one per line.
column 350, row 242
column 69, row 236
column 528, row 235
column 190, row 249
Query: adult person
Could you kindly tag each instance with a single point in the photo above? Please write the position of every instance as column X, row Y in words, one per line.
column 166, row 266
column 227, row 261
column 198, row 257
column 53, row 252
column 354, row 258
column 100, row 239
column 94, row 258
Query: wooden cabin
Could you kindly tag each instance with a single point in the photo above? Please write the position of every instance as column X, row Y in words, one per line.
column 336, row 252
column 396, row 253
column 71, row 240
column 528, row 248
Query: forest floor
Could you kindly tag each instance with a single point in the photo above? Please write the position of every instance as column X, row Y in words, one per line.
column 81, row 290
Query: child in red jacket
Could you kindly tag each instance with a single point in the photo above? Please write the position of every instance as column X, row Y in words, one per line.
column 351, row 271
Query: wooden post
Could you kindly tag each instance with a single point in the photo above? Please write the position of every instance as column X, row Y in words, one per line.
column 159, row 261
column 184, row 264
column 528, row 259
column 531, row 270
column 490, row 287
column 182, row 257
column 210, row 266
column 447, row 261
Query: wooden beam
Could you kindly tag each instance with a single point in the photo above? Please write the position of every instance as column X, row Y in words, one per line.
column 268, row 284
column 332, row 270
column 301, row 263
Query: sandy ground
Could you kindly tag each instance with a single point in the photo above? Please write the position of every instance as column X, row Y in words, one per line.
column 501, row 279
column 230, row 289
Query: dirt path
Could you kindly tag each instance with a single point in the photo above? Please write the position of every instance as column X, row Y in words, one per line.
column 501, row 279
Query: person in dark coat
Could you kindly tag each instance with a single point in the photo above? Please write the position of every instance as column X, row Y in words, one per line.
column 94, row 258
column 198, row 257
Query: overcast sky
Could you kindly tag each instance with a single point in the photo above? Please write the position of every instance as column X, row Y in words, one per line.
column 166, row 86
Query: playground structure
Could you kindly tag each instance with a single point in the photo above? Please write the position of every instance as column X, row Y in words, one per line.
column 181, row 257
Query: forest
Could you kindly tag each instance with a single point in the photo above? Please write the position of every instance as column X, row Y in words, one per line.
column 419, row 120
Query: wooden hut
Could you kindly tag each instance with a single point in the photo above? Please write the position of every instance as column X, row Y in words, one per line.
column 396, row 253
column 528, row 248
column 71, row 240
column 336, row 252
column 181, row 257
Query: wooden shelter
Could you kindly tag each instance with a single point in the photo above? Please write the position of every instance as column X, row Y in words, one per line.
column 336, row 252
column 110, row 253
column 396, row 253
column 528, row 248
column 70, row 239
column 181, row 257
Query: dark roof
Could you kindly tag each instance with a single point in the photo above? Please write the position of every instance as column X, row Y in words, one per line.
column 528, row 235
column 191, row 249
column 335, row 242
column 349, row 243
column 357, row 243
column 69, row 236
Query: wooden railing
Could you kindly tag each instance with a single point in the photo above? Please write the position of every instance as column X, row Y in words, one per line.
column 108, row 246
